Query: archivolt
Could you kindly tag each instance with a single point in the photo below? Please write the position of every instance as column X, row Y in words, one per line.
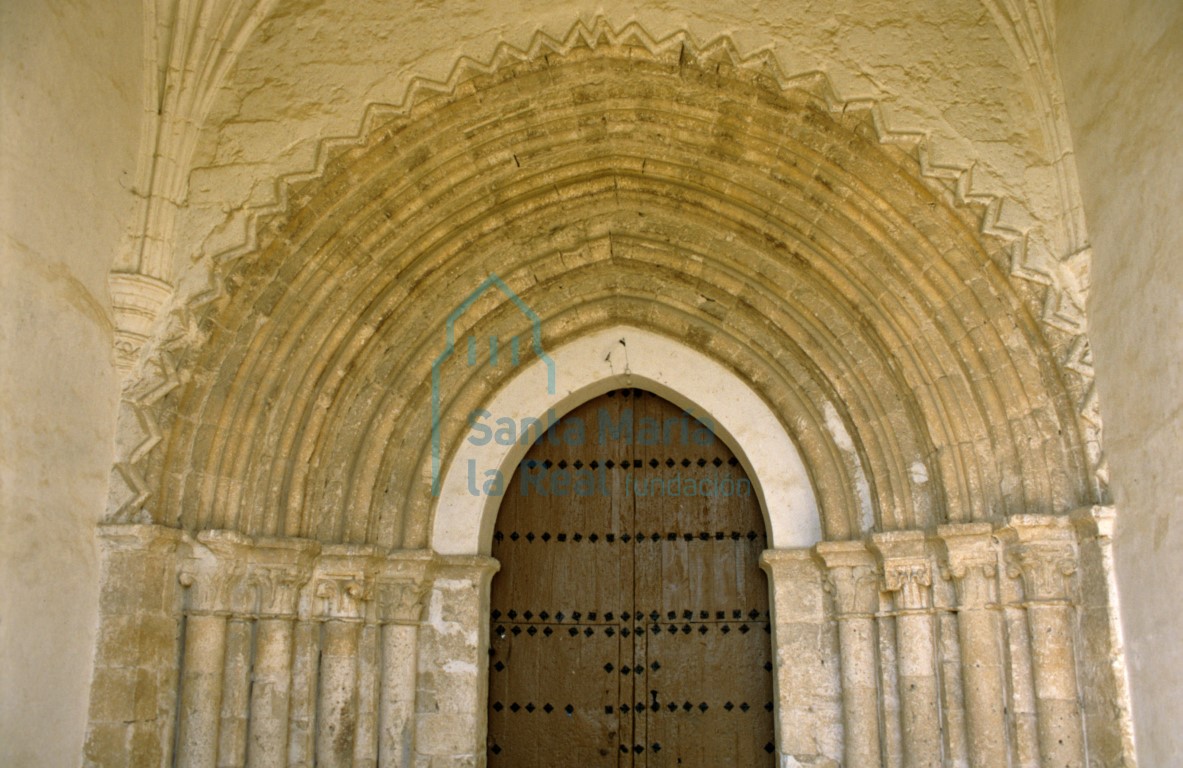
column 609, row 187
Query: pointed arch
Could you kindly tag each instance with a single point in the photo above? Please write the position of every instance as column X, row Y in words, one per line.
column 624, row 356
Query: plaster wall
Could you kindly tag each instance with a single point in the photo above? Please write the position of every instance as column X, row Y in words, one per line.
column 943, row 69
column 1120, row 63
column 69, row 129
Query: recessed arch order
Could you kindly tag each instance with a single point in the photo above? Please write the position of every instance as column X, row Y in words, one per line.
column 624, row 356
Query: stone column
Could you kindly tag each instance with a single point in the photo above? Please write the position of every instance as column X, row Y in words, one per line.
column 1023, row 717
column 907, row 573
column 1042, row 550
column 280, row 568
column 369, row 669
column 889, row 690
column 954, row 726
column 450, row 723
column 401, row 590
column 236, row 686
column 973, row 566
column 302, row 707
column 216, row 564
column 341, row 596
column 854, row 585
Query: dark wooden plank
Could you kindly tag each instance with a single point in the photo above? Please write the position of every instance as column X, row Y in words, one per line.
column 629, row 582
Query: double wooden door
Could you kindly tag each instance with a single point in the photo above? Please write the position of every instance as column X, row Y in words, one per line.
column 630, row 620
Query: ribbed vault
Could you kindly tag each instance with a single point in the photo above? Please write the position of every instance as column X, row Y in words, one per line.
column 607, row 187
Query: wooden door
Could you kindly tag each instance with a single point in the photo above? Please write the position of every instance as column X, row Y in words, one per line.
column 630, row 620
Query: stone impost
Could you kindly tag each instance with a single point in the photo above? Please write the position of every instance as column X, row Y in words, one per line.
column 450, row 726
column 972, row 564
column 907, row 573
column 1042, row 551
column 852, row 580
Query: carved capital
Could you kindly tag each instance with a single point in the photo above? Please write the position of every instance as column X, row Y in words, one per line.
column 341, row 596
column 852, row 577
column 227, row 572
column 400, row 601
column 972, row 563
column 403, row 582
column 136, row 302
column 907, row 568
column 344, row 581
column 280, row 568
column 911, row 579
column 1042, row 551
column 214, row 573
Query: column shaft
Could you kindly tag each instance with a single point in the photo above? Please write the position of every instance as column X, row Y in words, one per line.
column 302, row 721
column 201, row 690
column 365, row 750
column 853, row 584
column 860, row 692
column 236, row 686
column 1061, row 736
column 918, row 686
column 981, row 667
column 336, row 712
column 397, row 705
column 271, row 694
column 973, row 566
column 907, row 573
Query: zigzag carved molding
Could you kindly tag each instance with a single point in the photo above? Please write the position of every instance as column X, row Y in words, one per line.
column 1061, row 283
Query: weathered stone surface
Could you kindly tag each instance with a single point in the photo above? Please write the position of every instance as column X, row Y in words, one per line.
column 916, row 327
